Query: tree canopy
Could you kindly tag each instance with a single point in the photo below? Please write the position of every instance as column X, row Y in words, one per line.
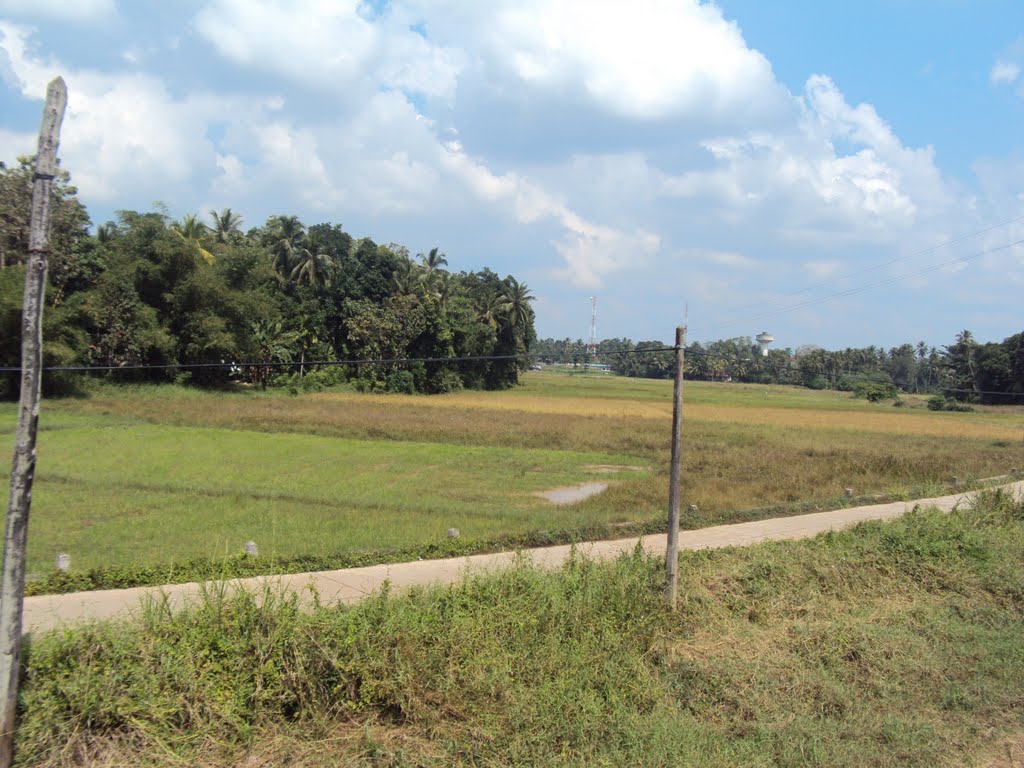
column 148, row 291
column 965, row 370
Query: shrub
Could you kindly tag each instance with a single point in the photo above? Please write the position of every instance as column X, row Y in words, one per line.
column 402, row 382
column 942, row 403
column 446, row 381
column 874, row 391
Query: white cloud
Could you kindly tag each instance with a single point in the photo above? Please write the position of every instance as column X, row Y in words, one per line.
column 840, row 168
column 657, row 142
column 822, row 269
column 591, row 252
column 727, row 259
column 13, row 144
column 329, row 45
column 123, row 134
column 1004, row 72
column 645, row 60
column 67, row 10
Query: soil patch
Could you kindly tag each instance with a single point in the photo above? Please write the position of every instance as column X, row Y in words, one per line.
column 572, row 494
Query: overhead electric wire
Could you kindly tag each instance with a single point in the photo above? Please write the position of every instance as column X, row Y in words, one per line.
column 873, row 377
column 897, row 260
column 869, row 286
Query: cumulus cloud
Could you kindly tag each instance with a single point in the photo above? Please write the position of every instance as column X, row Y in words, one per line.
column 16, row 144
column 839, row 167
column 645, row 60
column 703, row 163
column 590, row 251
column 123, row 134
column 1004, row 72
column 330, row 46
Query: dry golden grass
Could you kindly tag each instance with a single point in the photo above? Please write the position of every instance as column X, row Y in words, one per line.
column 871, row 418
column 748, row 452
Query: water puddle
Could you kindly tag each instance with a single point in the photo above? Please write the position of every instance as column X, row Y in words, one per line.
column 572, row 494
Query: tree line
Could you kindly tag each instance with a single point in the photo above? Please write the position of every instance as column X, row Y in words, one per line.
column 148, row 290
column 965, row 370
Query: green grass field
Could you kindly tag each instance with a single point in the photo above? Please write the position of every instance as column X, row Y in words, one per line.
column 894, row 644
column 144, row 475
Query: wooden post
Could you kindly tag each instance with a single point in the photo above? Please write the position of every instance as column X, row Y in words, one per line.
column 12, row 586
column 675, row 477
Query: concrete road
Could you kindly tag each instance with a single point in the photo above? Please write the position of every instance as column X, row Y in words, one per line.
column 50, row 611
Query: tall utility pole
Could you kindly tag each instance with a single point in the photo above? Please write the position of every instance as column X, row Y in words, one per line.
column 592, row 345
column 12, row 585
column 675, row 476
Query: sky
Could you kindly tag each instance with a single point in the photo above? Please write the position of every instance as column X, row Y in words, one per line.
column 838, row 174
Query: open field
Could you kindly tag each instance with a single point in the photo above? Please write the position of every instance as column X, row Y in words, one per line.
column 144, row 474
column 892, row 644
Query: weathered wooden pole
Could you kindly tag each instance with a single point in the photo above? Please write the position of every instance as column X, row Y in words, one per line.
column 675, row 477
column 12, row 586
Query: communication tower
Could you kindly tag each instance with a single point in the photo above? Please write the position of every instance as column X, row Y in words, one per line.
column 592, row 345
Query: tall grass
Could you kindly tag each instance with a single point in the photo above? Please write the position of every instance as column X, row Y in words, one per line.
column 147, row 477
column 890, row 644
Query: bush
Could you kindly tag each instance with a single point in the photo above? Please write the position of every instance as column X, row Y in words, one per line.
column 402, row 382
column 330, row 376
column 874, row 391
column 942, row 403
column 446, row 381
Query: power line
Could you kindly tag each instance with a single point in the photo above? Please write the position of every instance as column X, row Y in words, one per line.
column 869, row 286
column 874, row 377
column 897, row 260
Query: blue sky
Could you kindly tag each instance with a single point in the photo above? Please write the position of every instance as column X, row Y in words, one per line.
column 779, row 166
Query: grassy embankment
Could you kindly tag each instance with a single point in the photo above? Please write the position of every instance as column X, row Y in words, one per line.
column 133, row 477
column 890, row 644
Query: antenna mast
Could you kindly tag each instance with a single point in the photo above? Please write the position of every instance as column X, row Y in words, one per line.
column 592, row 346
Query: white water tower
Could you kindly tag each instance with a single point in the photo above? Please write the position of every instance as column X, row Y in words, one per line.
column 764, row 339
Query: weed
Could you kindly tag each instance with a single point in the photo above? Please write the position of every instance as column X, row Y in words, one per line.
column 854, row 660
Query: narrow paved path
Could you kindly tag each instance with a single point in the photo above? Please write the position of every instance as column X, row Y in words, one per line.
column 49, row 611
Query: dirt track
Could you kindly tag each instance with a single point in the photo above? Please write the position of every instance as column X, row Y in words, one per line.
column 49, row 611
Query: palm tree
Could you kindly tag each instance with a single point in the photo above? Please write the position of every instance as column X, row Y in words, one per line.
column 961, row 357
column 226, row 225
column 192, row 230
column 432, row 262
column 313, row 268
column 406, row 277
column 287, row 232
column 106, row 232
column 491, row 310
column 444, row 287
column 273, row 345
column 516, row 303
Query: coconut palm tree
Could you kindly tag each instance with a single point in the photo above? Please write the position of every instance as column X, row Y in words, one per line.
column 516, row 302
column 106, row 232
column 287, row 233
column 491, row 310
column 406, row 278
column 192, row 230
column 432, row 262
column 443, row 288
column 226, row 225
column 313, row 268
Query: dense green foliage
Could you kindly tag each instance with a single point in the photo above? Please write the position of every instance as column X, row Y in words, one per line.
column 965, row 370
column 891, row 644
column 149, row 291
